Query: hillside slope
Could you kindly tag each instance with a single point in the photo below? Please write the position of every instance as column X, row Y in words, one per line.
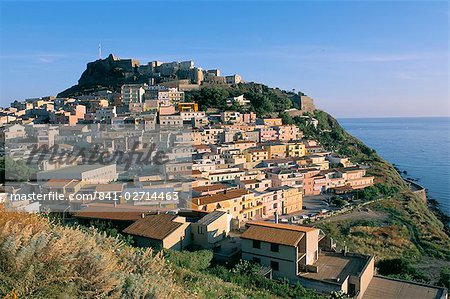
column 409, row 229
column 41, row 259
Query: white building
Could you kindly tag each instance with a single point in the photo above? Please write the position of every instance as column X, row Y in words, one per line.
column 233, row 79
column 93, row 174
column 132, row 93
column 105, row 114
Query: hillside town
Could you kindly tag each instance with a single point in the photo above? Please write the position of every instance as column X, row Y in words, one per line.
column 173, row 176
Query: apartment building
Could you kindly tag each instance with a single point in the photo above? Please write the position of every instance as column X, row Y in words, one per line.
column 356, row 177
column 228, row 201
column 292, row 199
column 267, row 134
column 230, row 116
column 105, row 114
column 171, row 121
column 225, row 175
column 254, row 184
column 295, row 150
column 256, row 155
column 293, row 252
column 270, row 122
column 207, row 136
column 289, row 132
column 275, row 150
column 285, row 177
column 286, row 249
column 132, row 93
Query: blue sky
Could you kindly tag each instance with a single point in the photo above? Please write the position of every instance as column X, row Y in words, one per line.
column 357, row 59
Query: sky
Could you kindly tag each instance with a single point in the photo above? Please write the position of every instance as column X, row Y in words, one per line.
column 356, row 59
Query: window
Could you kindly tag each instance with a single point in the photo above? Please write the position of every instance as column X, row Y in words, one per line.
column 274, row 247
column 256, row 244
column 274, row 265
column 257, row 260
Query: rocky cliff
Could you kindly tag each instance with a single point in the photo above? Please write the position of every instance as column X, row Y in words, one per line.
column 109, row 73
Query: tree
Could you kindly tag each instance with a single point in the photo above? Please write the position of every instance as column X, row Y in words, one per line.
column 444, row 277
column 17, row 171
column 286, row 118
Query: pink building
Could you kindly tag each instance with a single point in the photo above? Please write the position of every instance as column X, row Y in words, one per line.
column 268, row 134
column 248, row 118
column 286, row 177
column 289, row 132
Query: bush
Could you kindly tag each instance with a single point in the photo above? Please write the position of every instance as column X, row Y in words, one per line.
column 370, row 193
column 195, row 261
column 339, row 202
column 245, row 274
column 400, row 268
column 444, row 277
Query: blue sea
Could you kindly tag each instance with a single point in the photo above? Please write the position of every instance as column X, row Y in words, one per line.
column 420, row 146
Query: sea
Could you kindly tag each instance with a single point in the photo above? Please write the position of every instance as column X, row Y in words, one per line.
column 418, row 145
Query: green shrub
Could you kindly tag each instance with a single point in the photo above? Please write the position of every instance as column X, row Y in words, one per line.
column 400, row 268
column 195, row 261
column 444, row 277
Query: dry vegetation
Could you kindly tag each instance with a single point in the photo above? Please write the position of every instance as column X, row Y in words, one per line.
column 39, row 259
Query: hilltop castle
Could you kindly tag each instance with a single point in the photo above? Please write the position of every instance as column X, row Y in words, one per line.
column 112, row 72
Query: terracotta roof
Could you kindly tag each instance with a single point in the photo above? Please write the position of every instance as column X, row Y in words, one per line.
column 120, row 216
column 57, row 183
column 207, row 188
column 201, row 146
column 231, row 194
column 109, row 188
column 284, row 226
column 277, row 235
column 156, row 227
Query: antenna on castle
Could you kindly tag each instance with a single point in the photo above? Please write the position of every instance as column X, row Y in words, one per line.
column 99, row 51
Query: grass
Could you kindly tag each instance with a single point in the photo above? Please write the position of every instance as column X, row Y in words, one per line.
column 41, row 259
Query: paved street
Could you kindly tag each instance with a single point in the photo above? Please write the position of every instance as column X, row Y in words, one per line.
column 312, row 205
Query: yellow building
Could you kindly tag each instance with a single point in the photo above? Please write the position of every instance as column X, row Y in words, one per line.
column 272, row 121
column 255, row 155
column 187, row 106
column 276, row 150
column 293, row 199
column 295, row 150
column 230, row 202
